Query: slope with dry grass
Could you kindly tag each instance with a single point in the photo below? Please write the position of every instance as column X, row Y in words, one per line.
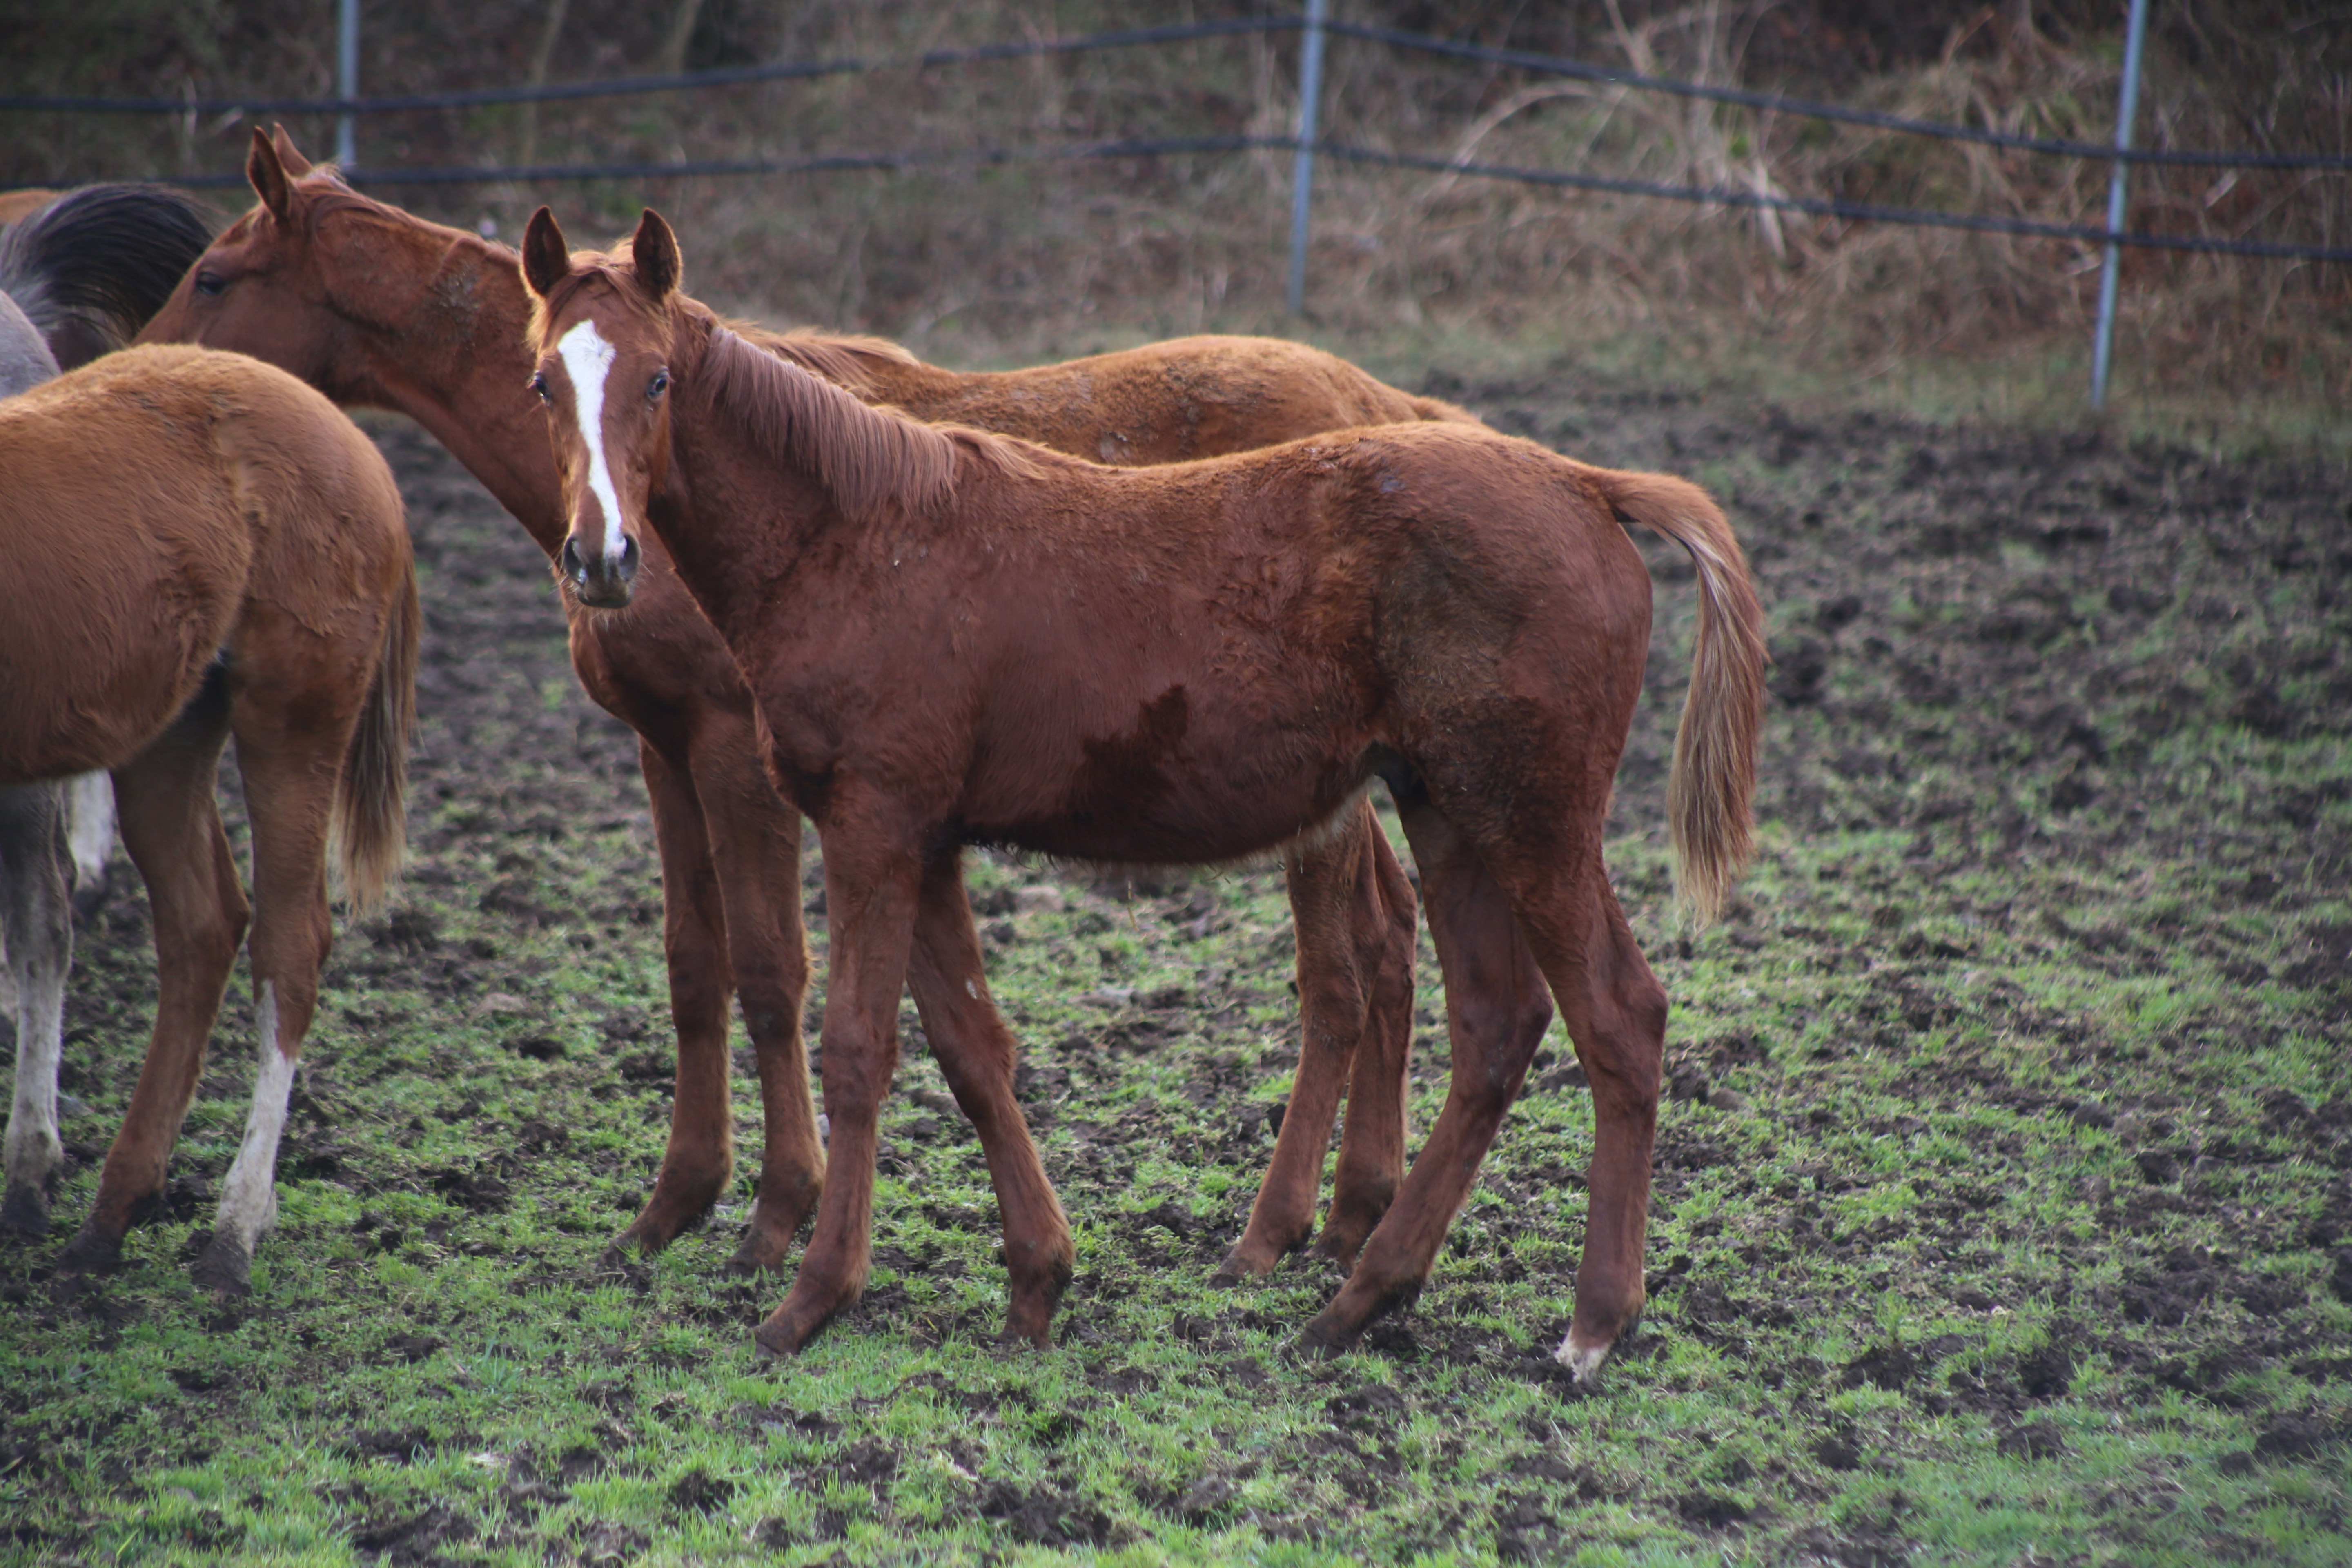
column 995, row 260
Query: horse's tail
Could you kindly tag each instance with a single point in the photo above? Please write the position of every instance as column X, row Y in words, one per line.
column 91, row 268
column 372, row 821
column 1713, row 774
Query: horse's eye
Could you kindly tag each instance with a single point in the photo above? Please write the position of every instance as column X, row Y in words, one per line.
column 659, row 384
column 538, row 385
column 210, row 282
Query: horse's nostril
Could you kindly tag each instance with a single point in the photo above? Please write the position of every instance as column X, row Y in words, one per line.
column 628, row 562
column 568, row 562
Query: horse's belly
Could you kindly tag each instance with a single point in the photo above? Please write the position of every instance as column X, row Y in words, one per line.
column 53, row 728
column 1174, row 814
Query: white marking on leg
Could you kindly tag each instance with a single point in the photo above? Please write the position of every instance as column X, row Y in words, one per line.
column 37, row 941
column 90, row 826
column 1583, row 1362
column 34, row 1149
column 249, row 1197
column 588, row 361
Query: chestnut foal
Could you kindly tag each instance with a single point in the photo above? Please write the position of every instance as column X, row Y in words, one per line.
column 955, row 637
column 201, row 547
column 377, row 306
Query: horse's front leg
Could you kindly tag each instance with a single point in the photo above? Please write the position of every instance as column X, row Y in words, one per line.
column 1333, row 988
column 755, row 853
column 701, row 1153
column 37, row 937
column 976, row 1053
column 871, row 886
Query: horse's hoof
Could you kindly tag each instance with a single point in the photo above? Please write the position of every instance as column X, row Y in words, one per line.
column 1320, row 1341
column 749, row 1261
column 25, row 1210
column 225, row 1269
column 781, row 1336
column 1583, row 1362
column 1339, row 1249
column 1242, row 1266
column 91, row 1251
column 626, row 1248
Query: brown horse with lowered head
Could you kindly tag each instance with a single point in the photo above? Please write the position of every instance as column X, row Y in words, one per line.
column 955, row 637
column 374, row 306
column 201, row 547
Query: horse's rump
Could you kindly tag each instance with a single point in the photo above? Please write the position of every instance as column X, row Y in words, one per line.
column 111, row 502
column 161, row 496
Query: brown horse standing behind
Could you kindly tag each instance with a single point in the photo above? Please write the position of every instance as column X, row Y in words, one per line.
column 200, row 546
column 374, row 306
column 958, row 639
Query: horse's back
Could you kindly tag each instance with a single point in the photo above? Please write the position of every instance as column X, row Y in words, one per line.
column 1166, row 401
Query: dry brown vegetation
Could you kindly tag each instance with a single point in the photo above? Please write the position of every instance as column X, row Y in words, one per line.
column 978, row 260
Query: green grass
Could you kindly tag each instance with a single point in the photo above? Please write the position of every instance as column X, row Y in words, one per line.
column 2002, row 1193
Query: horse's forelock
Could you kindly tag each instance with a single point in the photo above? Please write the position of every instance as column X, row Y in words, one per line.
column 585, row 271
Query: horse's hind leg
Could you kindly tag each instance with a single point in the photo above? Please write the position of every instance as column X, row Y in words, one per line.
column 36, row 936
column 289, row 766
column 172, row 832
column 1616, row 1012
column 1371, row 1147
column 1496, row 1009
column 975, row 1052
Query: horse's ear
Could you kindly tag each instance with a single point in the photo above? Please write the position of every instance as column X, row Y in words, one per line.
column 654, row 254
column 296, row 164
column 545, row 258
column 267, row 170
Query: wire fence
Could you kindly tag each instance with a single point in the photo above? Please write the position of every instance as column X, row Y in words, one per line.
column 1533, row 63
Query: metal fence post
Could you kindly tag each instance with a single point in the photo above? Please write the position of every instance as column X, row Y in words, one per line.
column 1302, row 178
column 346, row 78
column 2103, row 349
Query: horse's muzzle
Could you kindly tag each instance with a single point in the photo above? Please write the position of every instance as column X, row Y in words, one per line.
column 602, row 583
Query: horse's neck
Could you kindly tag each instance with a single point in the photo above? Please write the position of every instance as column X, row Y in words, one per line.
column 457, row 364
column 732, row 570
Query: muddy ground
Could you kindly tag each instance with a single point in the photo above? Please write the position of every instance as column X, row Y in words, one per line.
column 2011, row 1114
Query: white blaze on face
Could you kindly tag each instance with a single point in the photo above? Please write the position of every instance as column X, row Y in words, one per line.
column 588, row 361
column 249, row 1195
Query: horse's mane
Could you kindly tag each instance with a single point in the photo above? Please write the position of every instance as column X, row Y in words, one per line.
column 871, row 458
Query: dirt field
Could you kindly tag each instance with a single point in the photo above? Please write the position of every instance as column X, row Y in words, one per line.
column 2005, row 1199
